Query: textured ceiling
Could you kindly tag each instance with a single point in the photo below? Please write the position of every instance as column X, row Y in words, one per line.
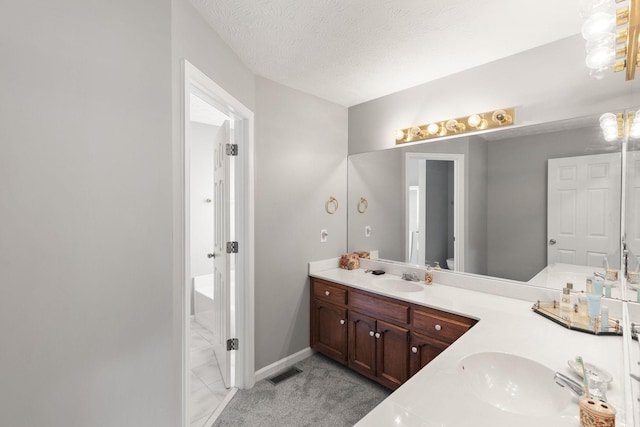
column 352, row 51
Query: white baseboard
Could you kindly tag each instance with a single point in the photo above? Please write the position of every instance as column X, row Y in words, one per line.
column 283, row 364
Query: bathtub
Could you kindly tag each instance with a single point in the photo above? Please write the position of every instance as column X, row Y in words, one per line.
column 203, row 306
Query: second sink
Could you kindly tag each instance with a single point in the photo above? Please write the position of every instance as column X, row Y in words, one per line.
column 514, row 384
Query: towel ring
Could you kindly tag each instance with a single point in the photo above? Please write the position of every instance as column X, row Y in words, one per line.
column 331, row 206
column 363, row 205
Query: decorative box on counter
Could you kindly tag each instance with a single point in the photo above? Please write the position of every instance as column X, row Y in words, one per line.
column 350, row 261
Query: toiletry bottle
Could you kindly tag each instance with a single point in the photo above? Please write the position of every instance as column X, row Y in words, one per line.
column 589, row 284
column 574, row 298
column 436, row 266
column 565, row 304
column 583, row 309
column 607, row 288
column 604, row 318
column 428, row 275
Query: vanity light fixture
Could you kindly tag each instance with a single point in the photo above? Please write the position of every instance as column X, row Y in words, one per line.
column 612, row 37
column 460, row 125
column 620, row 125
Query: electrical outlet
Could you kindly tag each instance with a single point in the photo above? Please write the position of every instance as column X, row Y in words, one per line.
column 323, row 236
column 367, row 231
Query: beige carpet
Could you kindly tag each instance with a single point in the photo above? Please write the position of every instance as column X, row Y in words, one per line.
column 324, row 394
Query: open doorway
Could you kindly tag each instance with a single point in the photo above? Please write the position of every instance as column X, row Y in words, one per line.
column 434, row 186
column 217, row 248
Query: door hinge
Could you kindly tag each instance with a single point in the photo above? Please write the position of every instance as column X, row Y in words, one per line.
column 232, row 247
column 232, row 344
column 232, row 149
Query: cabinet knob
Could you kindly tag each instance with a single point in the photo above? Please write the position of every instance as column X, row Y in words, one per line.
column 414, row 349
column 371, row 333
column 438, row 327
column 377, row 334
column 342, row 321
column 327, row 293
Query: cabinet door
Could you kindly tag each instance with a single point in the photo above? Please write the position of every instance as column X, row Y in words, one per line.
column 392, row 344
column 362, row 343
column 329, row 330
column 423, row 350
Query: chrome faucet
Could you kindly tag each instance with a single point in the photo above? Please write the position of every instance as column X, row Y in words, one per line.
column 564, row 381
column 412, row 277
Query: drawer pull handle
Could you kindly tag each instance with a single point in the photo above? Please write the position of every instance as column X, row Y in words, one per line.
column 438, row 327
column 377, row 335
column 414, row 349
column 371, row 333
column 341, row 321
column 327, row 293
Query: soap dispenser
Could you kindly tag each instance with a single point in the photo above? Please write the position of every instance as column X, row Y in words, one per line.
column 565, row 304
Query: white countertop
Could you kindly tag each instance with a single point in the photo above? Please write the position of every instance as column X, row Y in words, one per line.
column 438, row 395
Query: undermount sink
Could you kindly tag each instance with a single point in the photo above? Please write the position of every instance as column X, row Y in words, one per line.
column 397, row 285
column 514, row 384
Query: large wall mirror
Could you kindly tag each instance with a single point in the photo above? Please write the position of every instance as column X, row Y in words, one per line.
column 539, row 204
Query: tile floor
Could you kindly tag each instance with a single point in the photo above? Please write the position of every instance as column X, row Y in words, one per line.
column 207, row 387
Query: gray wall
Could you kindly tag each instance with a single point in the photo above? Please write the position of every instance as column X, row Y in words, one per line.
column 301, row 150
column 86, row 295
column 517, row 197
column 476, row 208
column 545, row 84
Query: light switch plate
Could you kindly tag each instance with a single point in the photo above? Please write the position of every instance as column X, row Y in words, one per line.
column 367, row 231
column 323, row 236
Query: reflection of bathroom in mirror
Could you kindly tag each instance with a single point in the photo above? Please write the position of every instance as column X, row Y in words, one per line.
column 515, row 220
column 433, row 196
column 632, row 211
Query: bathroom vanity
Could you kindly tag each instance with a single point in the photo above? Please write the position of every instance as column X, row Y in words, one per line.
column 385, row 339
column 428, row 374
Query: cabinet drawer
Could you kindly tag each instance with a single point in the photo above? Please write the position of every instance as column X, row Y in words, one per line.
column 329, row 292
column 380, row 308
column 443, row 326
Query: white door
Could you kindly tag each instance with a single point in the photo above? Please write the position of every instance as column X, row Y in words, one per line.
column 222, row 260
column 583, row 209
column 632, row 226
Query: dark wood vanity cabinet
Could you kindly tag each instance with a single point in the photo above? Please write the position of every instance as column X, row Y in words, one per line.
column 382, row 338
column 379, row 338
column 432, row 332
column 423, row 350
column 329, row 320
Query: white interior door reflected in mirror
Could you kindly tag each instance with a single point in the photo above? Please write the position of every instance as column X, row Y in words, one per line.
column 583, row 212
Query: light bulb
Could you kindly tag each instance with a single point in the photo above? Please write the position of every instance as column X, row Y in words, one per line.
column 589, row 7
column 433, row 128
column 606, row 40
column 610, row 136
column 416, row 132
column 474, row 120
column 597, row 25
column 634, row 132
column 399, row 135
column 608, row 120
column 452, row 125
column 601, row 57
column 597, row 74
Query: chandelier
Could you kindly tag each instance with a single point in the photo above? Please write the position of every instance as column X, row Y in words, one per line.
column 611, row 32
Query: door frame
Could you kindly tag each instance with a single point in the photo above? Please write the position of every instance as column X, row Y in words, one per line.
column 458, row 200
column 243, row 313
